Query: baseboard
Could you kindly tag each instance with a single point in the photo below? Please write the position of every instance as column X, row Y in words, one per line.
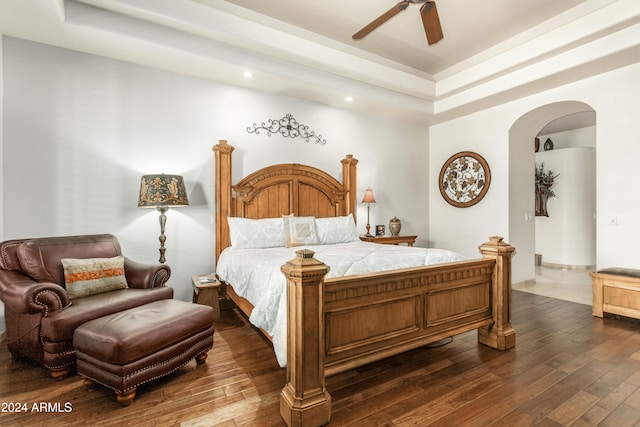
column 568, row 266
column 524, row 283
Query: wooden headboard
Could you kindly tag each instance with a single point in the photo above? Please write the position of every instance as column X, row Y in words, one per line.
column 279, row 190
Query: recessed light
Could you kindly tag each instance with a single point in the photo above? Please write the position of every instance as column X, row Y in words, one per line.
column 349, row 99
column 247, row 74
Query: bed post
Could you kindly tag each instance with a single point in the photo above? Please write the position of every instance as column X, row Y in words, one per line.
column 304, row 400
column 349, row 183
column 222, row 152
column 500, row 334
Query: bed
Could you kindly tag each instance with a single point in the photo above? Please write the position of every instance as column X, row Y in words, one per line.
column 339, row 323
column 254, row 266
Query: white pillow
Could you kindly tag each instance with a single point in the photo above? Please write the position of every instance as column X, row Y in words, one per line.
column 299, row 230
column 339, row 229
column 248, row 233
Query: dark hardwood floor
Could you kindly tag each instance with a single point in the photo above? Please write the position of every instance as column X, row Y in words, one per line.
column 568, row 369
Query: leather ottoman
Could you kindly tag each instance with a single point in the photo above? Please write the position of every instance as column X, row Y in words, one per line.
column 129, row 348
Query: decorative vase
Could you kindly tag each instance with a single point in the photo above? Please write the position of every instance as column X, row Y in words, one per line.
column 394, row 226
column 541, row 204
column 537, row 145
column 548, row 144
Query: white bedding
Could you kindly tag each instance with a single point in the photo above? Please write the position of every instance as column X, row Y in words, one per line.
column 255, row 275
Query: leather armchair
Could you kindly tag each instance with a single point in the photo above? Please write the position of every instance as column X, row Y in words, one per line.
column 40, row 316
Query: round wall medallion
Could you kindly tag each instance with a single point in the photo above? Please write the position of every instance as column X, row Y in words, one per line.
column 464, row 179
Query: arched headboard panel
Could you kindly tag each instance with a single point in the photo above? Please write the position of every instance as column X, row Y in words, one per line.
column 279, row 190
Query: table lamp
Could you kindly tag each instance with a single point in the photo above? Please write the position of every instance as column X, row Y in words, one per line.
column 368, row 199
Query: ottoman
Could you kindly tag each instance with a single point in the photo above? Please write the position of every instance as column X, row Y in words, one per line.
column 129, row 348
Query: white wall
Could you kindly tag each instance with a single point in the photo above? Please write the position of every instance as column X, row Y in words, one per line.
column 80, row 130
column 615, row 97
column 464, row 229
column 2, row 322
column 567, row 237
column 570, row 239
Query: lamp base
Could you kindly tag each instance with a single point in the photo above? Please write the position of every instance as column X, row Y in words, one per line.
column 162, row 238
column 368, row 227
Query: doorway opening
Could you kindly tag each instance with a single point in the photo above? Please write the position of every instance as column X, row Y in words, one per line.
column 564, row 241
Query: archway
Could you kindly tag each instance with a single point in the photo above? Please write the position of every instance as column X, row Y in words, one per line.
column 521, row 181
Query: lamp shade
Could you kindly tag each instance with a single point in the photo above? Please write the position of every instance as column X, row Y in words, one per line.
column 368, row 196
column 162, row 190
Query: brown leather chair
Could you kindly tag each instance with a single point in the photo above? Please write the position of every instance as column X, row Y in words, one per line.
column 40, row 316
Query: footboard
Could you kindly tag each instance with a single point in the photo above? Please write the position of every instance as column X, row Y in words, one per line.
column 341, row 323
column 369, row 317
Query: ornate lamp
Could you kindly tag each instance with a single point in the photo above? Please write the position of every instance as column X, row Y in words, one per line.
column 368, row 199
column 160, row 192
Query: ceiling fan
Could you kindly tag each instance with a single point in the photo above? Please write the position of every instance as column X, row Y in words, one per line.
column 428, row 13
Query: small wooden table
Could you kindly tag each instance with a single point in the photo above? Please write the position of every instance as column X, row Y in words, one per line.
column 390, row 240
column 206, row 291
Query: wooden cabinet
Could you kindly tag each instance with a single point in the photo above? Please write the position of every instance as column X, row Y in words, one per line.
column 390, row 240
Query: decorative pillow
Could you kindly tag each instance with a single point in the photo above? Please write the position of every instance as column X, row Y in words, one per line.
column 299, row 230
column 255, row 233
column 84, row 277
column 340, row 229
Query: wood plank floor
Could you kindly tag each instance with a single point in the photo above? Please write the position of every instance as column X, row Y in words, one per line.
column 568, row 369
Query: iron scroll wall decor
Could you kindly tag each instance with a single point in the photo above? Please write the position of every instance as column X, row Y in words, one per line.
column 288, row 127
column 464, row 179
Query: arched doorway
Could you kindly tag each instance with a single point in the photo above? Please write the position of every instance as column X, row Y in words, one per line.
column 521, row 181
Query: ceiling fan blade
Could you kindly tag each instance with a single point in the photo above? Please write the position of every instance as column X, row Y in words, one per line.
column 431, row 22
column 399, row 7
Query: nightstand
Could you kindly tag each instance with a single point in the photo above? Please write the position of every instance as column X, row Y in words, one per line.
column 390, row 240
column 206, row 291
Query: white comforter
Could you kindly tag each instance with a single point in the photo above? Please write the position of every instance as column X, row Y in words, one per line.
column 255, row 275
